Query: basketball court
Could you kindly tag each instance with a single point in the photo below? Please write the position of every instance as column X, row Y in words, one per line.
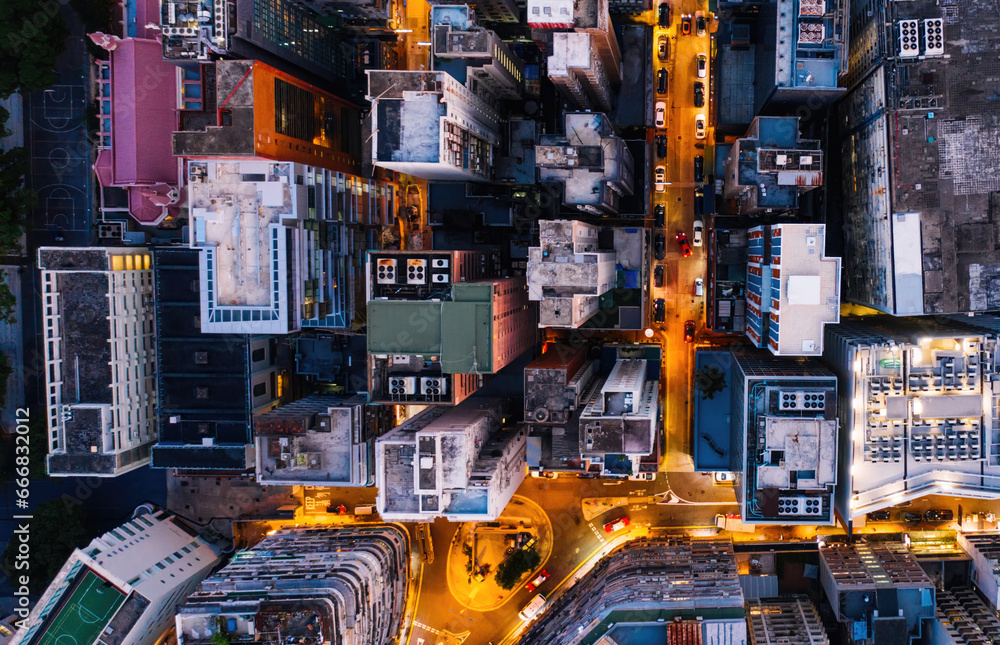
column 84, row 615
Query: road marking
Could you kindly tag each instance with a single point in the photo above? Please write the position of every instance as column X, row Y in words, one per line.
column 427, row 628
column 598, row 535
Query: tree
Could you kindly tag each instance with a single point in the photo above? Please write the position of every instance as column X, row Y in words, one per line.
column 5, row 372
column 56, row 529
column 513, row 568
column 15, row 199
column 218, row 638
column 709, row 381
column 32, row 35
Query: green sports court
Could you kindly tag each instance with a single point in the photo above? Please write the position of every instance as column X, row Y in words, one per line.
column 84, row 615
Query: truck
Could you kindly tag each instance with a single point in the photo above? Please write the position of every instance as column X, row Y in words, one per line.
column 732, row 522
column 533, row 608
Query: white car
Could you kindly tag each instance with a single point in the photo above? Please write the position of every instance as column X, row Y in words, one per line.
column 660, row 114
column 699, row 286
column 660, row 178
column 723, row 477
column 699, row 126
column 699, row 227
column 702, row 66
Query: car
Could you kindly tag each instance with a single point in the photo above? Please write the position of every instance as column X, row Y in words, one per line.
column 660, row 114
column 663, row 48
column 658, row 276
column 723, row 477
column 682, row 241
column 700, row 25
column 686, row 24
column 699, row 168
column 699, row 201
column 689, row 331
column 699, row 287
column 659, row 214
column 699, row 228
column 664, row 14
column 616, row 525
column 879, row 516
column 661, row 247
column 661, row 81
column 702, row 65
column 533, row 608
column 699, row 94
column 660, row 178
column 661, row 146
column 539, row 579
column 936, row 515
column 699, row 126
column 912, row 517
column 659, row 310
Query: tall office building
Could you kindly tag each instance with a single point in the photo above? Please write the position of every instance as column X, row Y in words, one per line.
column 474, row 55
column 123, row 587
column 490, row 10
column 338, row 585
column 99, row 344
column 790, row 279
column 963, row 619
column 784, row 439
column 462, row 463
column 923, row 404
column 686, row 588
column 575, row 69
column 984, row 549
column 915, row 101
column 583, row 17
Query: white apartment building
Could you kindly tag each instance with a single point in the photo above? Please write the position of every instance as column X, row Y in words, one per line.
column 575, row 68
column 135, row 574
column 99, row 359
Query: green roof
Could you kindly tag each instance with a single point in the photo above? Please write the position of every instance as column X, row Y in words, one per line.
column 404, row 327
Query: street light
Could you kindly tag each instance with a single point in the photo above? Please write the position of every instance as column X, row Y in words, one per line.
column 649, row 332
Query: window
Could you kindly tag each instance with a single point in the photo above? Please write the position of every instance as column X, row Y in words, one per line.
column 294, row 115
column 260, row 389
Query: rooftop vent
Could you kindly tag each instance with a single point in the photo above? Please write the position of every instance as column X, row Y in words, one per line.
column 800, row 505
column 386, row 271
column 933, row 37
column 908, row 39
column 801, row 400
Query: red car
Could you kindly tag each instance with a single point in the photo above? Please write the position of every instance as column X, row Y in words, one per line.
column 689, row 331
column 616, row 525
column 682, row 241
column 534, row 584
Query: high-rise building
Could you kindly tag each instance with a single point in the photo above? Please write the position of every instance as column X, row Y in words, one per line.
column 800, row 56
column 123, row 587
column 208, row 386
column 273, row 257
column 790, row 620
column 99, row 342
column 790, row 279
column 321, row 440
column 430, row 125
column 963, row 619
column 568, row 272
column 362, row 15
column 922, row 410
column 590, row 160
column 784, row 439
column 689, row 583
column 462, row 463
column 474, row 55
column 912, row 180
column 771, row 166
column 338, row 585
column 437, row 322
column 583, row 16
column 556, row 384
column 984, row 549
column 878, row 592
column 490, row 10
column 575, row 69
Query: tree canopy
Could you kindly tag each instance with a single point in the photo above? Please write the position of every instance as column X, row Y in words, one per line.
column 56, row 529
column 513, row 568
column 710, row 380
column 32, row 35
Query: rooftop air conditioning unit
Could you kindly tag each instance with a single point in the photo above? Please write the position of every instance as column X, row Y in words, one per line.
column 800, row 400
column 439, row 263
column 440, row 278
column 433, row 386
column 908, row 39
column 933, row 37
column 800, row 505
column 386, row 271
column 402, row 385
column 416, row 271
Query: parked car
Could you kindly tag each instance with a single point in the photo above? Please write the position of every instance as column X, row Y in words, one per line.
column 689, row 331
column 659, row 310
column 699, row 126
column 658, row 276
column 661, row 247
column 660, row 178
column 699, row 201
column 879, row 516
column 937, row 515
column 659, row 214
column 660, row 114
column 700, row 25
column 616, row 525
column 682, row 241
column 699, row 94
column 661, row 146
column 699, row 287
column 699, row 168
column 699, row 228
column 661, row 81
column 663, row 47
column 723, row 477
column 664, row 14
column 539, row 579
column 686, row 24
column 913, row 517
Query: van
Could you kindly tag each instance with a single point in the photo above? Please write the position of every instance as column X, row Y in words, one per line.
column 364, row 510
column 533, row 608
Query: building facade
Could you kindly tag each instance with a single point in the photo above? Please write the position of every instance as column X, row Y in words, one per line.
column 137, row 573
column 790, row 277
column 576, row 70
column 474, row 55
column 99, row 347
column 556, row 384
column 590, row 17
column 789, row 620
column 784, row 439
column 461, row 463
column 344, row 585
